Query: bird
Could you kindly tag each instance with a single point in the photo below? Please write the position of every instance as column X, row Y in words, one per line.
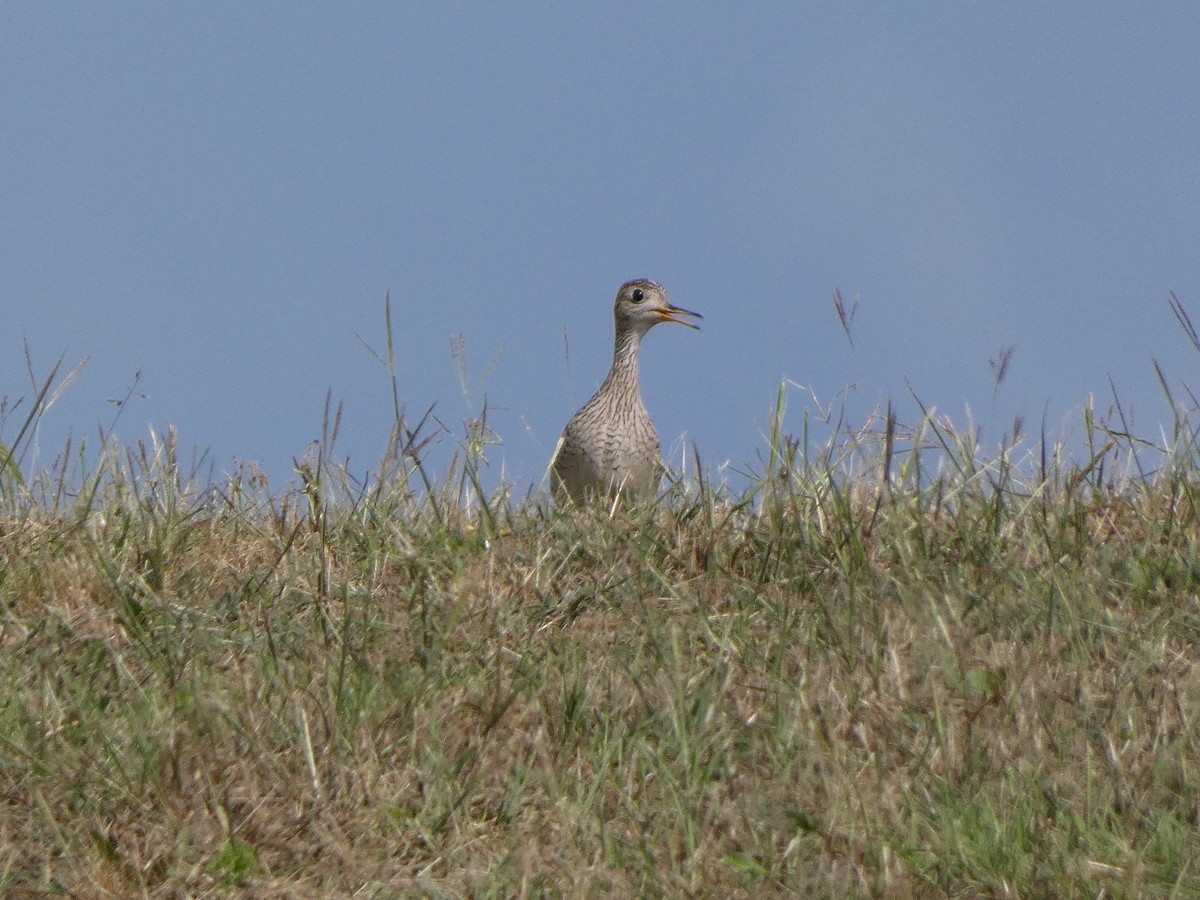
column 610, row 447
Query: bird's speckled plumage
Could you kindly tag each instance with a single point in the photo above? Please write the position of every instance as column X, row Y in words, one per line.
column 610, row 446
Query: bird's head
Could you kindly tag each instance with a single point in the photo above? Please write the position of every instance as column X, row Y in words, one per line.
column 642, row 304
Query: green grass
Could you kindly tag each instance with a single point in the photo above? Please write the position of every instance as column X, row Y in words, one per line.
column 896, row 666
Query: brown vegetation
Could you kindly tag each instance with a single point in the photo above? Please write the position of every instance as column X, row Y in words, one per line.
column 897, row 668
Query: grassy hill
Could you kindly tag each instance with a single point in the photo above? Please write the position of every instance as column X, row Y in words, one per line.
column 897, row 665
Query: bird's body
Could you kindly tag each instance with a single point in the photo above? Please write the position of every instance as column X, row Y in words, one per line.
column 610, row 446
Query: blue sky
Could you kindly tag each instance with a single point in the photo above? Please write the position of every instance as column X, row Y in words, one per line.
column 219, row 197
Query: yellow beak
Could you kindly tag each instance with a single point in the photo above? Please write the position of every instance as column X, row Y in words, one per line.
column 669, row 313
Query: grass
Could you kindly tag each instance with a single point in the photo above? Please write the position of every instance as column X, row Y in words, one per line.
column 895, row 666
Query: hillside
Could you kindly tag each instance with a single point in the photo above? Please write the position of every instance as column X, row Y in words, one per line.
column 898, row 665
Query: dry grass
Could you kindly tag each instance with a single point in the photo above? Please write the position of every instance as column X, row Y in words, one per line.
column 895, row 668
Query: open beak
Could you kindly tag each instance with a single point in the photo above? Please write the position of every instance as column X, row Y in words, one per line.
column 670, row 313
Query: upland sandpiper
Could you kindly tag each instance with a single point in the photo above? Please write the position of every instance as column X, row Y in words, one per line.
column 610, row 446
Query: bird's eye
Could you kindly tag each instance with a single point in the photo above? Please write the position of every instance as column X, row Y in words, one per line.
column 638, row 295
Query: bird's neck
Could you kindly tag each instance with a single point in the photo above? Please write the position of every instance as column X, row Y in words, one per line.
column 623, row 377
